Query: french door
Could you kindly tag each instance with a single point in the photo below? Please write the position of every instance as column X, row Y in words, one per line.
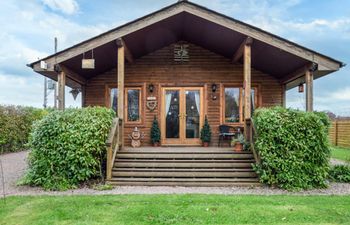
column 181, row 115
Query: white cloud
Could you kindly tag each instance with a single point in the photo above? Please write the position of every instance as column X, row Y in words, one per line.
column 65, row 6
column 342, row 94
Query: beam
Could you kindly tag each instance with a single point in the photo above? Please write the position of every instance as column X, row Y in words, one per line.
column 309, row 77
column 296, row 74
column 121, row 75
column 247, row 86
column 61, row 78
column 120, row 42
column 73, row 75
column 239, row 53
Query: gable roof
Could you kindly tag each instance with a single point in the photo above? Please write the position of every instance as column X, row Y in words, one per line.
column 325, row 63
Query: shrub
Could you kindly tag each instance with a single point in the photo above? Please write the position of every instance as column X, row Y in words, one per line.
column 67, row 147
column 293, row 146
column 206, row 131
column 155, row 131
column 340, row 173
column 15, row 126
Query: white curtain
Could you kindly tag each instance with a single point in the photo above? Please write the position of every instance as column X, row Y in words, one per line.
column 167, row 102
column 196, row 97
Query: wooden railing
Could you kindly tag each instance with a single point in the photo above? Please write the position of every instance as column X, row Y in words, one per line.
column 113, row 144
column 251, row 135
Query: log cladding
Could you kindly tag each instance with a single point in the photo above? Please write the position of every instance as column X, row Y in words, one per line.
column 204, row 68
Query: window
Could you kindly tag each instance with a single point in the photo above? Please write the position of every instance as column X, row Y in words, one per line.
column 233, row 104
column 113, row 99
column 133, row 99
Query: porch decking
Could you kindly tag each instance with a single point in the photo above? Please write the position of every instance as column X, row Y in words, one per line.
column 183, row 166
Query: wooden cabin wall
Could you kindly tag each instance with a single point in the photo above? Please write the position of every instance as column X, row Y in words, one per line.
column 203, row 69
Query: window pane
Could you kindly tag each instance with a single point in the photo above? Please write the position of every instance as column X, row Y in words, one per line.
column 252, row 100
column 114, row 99
column 231, row 105
column 192, row 114
column 172, row 122
column 133, row 105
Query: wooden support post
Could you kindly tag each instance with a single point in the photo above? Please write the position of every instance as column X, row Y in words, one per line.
column 61, row 79
column 284, row 99
column 83, row 94
column 309, row 90
column 247, row 86
column 121, row 74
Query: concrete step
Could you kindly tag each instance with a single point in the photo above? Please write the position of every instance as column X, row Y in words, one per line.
column 205, row 182
column 184, row 156
column 186, row 164
column 150, row 173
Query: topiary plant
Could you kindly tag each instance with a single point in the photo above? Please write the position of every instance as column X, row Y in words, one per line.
column 155, row 132
column 293, row 146
column 67, row 147
column 206, row 132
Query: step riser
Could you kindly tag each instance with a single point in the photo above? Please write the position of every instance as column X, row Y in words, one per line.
column 184, row 156
column 182, row 165
column 186, row 184
column 183, row 174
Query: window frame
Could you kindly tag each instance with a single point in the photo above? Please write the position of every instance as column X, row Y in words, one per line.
column 108, row 88
column 126, row 89
column 241, row 109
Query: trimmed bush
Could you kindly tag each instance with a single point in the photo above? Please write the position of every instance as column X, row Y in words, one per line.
column 206, row 131
column 340, row 173
column 293, row 146
column 67, row 147
column 155, row 131
column 15, row 126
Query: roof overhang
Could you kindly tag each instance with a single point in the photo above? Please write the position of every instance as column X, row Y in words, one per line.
column 187, row 21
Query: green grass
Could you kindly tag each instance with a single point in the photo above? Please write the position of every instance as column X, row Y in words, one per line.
column 176, row 209
column 341, row 153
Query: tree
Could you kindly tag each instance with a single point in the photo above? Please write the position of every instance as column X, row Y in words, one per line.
column 155, row 131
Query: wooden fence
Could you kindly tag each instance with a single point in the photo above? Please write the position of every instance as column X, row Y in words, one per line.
column 339, row 133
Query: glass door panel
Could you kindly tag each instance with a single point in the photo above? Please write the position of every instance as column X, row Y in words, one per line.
column 192, row 113
column 172, row 111
column 181, row 116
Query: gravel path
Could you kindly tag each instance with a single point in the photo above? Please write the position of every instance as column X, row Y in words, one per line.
column 14, row 165
column 338, row 162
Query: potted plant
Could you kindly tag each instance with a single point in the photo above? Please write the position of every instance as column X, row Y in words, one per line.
column 206, row 133
column 238, row 143
column 155, row 132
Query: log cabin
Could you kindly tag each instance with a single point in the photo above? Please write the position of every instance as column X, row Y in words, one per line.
column 181, row 64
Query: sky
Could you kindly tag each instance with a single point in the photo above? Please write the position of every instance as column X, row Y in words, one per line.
column 28, row 29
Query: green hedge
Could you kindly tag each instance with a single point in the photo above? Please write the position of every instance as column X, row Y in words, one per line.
column 15, row 126
column 340, row 173
column 67, row 147
column 293, row 146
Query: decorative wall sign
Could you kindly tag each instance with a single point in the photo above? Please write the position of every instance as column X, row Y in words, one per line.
column 181, row 53
column 151, row 105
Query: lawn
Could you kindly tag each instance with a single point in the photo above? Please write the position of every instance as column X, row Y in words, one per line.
column 176, row 209
column 341, row 153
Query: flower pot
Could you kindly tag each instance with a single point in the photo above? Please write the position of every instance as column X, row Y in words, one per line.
column 205, row 144
column 238, row 147
column 156, row 144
